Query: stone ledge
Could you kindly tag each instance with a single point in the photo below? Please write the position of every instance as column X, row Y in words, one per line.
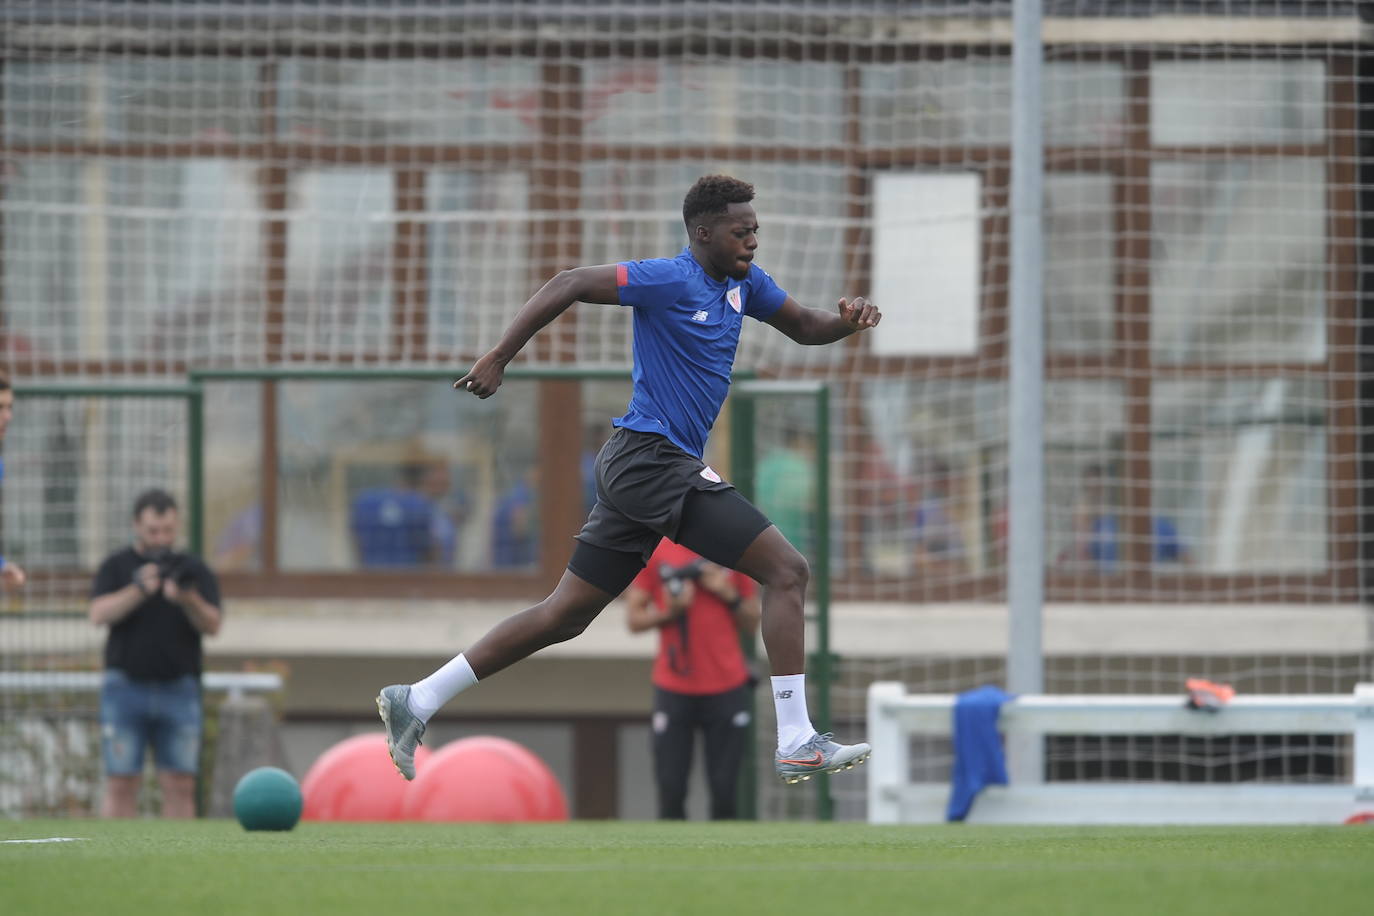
column 857, row 628
column 409, row 629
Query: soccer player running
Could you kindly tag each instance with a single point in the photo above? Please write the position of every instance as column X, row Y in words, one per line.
column 651, row 480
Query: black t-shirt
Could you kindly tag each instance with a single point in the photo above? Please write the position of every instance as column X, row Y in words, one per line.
column 155, row 641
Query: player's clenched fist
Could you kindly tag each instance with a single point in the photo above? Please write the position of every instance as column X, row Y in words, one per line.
column 484, row 378
column 860, row 314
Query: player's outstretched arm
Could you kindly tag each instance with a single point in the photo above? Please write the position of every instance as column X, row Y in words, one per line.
column 580, row 284
column 815, row 326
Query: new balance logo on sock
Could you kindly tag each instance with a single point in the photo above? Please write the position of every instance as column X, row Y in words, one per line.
column 782, row 695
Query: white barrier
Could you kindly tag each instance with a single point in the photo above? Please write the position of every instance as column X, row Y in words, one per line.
column 235, row 683
column 894, row 715
column 49, row 757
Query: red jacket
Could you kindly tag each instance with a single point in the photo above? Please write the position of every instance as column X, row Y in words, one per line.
column 699, row 652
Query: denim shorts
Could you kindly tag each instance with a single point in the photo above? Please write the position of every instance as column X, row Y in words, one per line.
column 136, row 715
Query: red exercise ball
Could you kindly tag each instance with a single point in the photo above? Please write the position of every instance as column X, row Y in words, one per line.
column 485, row 778
column 549, row 802
column 355, row 780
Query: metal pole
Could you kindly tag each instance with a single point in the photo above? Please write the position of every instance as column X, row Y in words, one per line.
column 195, row 515
column 82, row 390
column 742, row 466
column 1026, row 567
column 826, row 804
column 195, row 471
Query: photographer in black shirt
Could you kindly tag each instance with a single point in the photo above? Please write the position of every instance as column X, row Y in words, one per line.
column 158, row 603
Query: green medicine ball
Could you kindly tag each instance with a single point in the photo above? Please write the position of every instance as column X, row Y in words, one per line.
column 267, row 798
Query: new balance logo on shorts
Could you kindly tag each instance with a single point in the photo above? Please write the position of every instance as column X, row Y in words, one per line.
column 700, row 316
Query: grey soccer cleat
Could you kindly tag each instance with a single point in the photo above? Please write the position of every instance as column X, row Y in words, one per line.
column 403, row 727
column 819, row 755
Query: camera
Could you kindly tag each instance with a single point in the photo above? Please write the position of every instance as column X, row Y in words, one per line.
column 175, row 567
column 673, row 577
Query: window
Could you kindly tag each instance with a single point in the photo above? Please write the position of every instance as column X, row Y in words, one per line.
column 131, row 258
column 374, row 102
column 763, row 102
column 1230, row 281
column 406, row 476
column 967, row 102
column 233, row 480
column 133, row 99
column 1242, row 101
column 339, row 262
column 478, row 237
column 930, row 484
column 1080, row 264
column 1239, row 469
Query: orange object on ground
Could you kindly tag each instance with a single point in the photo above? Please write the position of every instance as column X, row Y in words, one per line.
column 1207, row 695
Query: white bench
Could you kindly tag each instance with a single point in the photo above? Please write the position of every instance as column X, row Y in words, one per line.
column 894, row 716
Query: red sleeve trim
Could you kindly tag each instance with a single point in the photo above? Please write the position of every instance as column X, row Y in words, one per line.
column 622, row 275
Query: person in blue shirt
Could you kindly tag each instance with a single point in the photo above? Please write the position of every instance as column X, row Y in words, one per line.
column 404, row 525
column 449, row 506
column 651, row 480
column 1096, row 535
column 937, row 538
column 515, row 524
column 11, row 574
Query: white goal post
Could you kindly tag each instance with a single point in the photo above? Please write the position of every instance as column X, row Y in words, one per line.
column 894, row 716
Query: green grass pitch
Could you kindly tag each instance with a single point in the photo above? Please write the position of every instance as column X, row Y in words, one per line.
column 148, row 868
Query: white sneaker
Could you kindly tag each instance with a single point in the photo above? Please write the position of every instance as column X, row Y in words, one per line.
column 403, row 727
column 819, row 755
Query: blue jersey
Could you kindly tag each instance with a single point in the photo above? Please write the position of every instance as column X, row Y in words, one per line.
column 686, row 331
column 393, row 528
column 512, row 545
column 1104, row 551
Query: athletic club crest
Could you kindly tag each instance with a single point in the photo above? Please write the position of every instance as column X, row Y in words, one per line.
column 732, row 297
column 710, row 474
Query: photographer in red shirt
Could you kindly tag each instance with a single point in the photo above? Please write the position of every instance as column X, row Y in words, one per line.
column 701, row 680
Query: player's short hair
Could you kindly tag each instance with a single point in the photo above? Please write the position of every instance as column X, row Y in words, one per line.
column 712, row 195
column 4, row 380
column 157, row 499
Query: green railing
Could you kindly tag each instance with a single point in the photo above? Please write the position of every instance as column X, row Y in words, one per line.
column 743, row 463
column 193, row 395
column 745, row 394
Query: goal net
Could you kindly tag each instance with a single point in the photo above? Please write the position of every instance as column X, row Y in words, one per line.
column 338, row 184
column 75, row 461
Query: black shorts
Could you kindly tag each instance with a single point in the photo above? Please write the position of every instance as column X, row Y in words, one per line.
column 643, row 482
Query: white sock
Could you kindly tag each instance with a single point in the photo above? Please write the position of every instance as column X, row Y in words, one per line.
column 794, row 724
column 443, row 685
